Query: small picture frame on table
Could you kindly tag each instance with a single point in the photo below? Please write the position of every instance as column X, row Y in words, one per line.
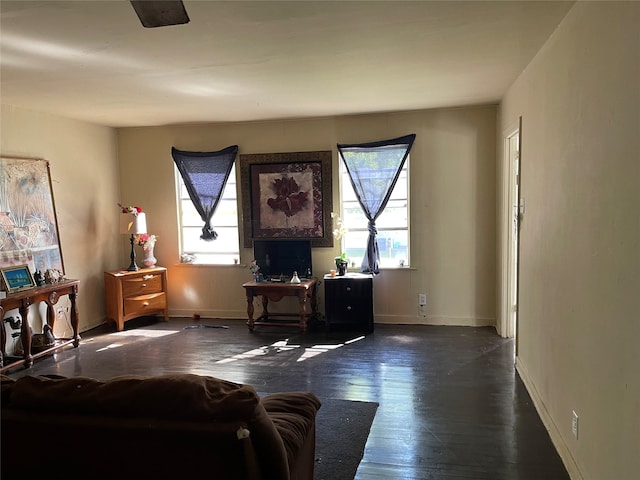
column 17, row 278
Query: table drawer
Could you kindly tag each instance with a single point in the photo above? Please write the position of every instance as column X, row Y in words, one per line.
column 142, row 303
column 141, row 285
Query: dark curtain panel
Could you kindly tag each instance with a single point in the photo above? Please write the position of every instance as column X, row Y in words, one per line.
column 374, row 169
column 205, row 174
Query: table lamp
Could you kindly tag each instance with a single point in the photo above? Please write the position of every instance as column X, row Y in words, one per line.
column 133, row 224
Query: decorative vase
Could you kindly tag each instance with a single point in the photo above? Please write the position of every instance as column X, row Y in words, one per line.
column 149, row 260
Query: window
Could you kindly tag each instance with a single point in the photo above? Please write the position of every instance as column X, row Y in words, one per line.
column 392, row 224
column 224, row 250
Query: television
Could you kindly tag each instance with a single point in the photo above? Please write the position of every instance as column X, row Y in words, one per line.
column 280, row 258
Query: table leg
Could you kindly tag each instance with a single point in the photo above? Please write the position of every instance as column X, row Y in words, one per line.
column 51, row 316
column 250, row 311
column 74, row 318
column 265, row 308
column 314, row 302
column 3, row 337
column 303, row 312
column 25, row 335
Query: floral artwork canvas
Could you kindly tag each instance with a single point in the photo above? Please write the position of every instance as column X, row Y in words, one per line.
column 28, row 223
column 286, row 200
column 290, row 198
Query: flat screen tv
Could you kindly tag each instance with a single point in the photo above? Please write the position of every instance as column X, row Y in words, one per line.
column 280, row 258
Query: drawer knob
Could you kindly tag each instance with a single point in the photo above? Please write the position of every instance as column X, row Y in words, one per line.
column 349, row 307
column 144, row 284
column 145, row 304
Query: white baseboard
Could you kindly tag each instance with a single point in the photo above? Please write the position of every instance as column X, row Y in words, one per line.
column 210, row 313
column 435, row 320
column 557, row 440
column 383, row 319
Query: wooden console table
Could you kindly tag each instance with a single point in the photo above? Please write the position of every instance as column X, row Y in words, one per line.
column 275, row 291
column 50, row 294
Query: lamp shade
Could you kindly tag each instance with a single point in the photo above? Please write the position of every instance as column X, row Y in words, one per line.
column 133, row 224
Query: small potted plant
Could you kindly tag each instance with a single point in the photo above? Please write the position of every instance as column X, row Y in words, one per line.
column 341, row 263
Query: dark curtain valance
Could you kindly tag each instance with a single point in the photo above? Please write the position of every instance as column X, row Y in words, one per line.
column 374, row 169
column 205, row 174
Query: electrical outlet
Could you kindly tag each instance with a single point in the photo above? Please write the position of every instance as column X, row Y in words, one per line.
column 422, row 299
column 574, row 424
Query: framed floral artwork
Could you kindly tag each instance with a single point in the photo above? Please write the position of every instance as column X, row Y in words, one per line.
column 287, row 195
column 28, row 222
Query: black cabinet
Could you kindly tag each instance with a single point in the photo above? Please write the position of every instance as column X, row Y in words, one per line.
column 348, row 302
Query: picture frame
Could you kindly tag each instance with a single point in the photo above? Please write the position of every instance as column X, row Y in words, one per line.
column 287, row 196
column 17, row 278
column 28, row 222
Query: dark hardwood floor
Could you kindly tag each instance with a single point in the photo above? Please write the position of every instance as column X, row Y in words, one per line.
column 451, row 404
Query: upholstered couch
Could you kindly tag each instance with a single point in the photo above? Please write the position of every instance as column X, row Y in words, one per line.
column 171, row 426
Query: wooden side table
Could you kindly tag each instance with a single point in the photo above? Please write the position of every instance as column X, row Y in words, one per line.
column 275, row 291
column 50, row 294
column 135, row 294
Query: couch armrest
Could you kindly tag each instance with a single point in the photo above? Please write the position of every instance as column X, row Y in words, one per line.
column 294, row 415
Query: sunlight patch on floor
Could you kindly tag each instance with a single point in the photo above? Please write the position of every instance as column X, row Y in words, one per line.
column 110, row 346
column 284, row 346
column 273, row 349
column 320, row 348
column 141, row 332
column 135, row 335
column 353, row 340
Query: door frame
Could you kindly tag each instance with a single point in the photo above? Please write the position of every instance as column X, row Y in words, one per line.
column 510, row 253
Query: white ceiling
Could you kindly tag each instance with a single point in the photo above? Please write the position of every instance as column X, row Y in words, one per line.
column 93, row 61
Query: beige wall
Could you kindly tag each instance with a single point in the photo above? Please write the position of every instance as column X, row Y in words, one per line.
column 452, row 208
column 578, row 328
column 84, row 175
column 452, row 204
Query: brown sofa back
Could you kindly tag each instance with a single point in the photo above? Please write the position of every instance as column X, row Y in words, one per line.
column 172, row 426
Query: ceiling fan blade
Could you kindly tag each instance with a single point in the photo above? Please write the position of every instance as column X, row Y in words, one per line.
column 160, row 13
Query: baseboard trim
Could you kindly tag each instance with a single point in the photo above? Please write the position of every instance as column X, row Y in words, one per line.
column 382, row 319
column 557, row 440
column 435, row 320
column 224, row 314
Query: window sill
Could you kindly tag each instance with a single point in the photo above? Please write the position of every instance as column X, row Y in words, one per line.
column 217, row 265
column 357, row 270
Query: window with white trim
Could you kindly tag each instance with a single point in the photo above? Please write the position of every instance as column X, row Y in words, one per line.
column 392, row 225
column 224, row 250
